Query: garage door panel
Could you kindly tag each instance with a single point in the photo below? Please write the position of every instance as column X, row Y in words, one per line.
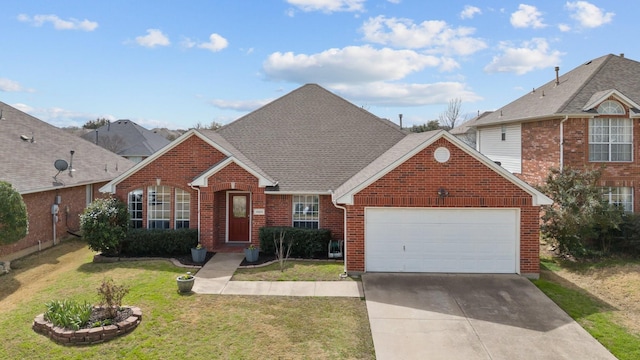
column 441, row 240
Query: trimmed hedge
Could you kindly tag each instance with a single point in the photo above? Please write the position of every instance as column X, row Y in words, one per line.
column 143, row 242
column 307, row 243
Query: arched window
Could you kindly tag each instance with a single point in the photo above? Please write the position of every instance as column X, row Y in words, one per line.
column 611, row 107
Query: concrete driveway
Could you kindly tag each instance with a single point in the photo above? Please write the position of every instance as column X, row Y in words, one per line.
column 434, row 316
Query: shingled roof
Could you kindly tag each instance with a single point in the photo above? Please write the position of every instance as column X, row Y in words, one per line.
column 311, row 140
column 29, row 147
column 574, row 90
column 131, row 139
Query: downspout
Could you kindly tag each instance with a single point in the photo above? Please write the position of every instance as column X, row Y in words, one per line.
column 562, row 142
column 198, row 190
column 344, row 210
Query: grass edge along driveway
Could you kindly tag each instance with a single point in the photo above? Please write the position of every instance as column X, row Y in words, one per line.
column 601, row 319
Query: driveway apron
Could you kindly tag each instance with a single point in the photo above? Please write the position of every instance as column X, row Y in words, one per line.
column 453, row 316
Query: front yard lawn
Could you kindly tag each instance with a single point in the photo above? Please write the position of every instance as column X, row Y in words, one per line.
column 603, row 297
column 175, row 326
column 295, row 270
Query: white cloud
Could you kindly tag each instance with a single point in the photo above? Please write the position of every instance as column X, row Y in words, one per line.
column 328, row 6
column 7, row 85
column 527, row 16
column 531, row 55
column 588, row 15
column 564, row 27
column 394, row 1
column 394, row 94
column 59, row 24
column 239, row 105
column 154, row 38
column 216, row 43
column 60, row 117
column 469, row 12
column 352, row 64
column 435, row 36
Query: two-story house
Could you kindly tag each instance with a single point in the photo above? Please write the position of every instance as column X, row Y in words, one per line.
column 587, row 117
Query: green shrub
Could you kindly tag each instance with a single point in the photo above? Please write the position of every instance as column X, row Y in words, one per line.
column 14, row 221
column 68, row 314
column 307, row 243
column 627, row 240
column 157, row 242
column 580, row 222
column 104, row 225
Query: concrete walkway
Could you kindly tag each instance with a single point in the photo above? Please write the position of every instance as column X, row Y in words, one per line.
column 215, row 278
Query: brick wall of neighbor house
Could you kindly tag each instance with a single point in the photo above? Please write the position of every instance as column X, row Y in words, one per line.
column 541, row 149
column 470, row 184
column 73, row 202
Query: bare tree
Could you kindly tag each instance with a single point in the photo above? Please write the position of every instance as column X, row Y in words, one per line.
column 449, row 118
column 213, row 126
column 113, row 143
column 283, row 248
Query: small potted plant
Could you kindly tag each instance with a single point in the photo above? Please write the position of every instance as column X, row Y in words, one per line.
column 185, row 282
column 251, row 253
column 198, row 253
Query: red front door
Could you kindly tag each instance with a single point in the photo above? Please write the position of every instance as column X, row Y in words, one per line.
column 238, row 215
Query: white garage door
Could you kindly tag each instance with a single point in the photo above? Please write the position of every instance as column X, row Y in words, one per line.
column 441, row 240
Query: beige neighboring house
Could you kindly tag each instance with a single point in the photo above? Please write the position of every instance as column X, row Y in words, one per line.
column 466, row 131
column 29, row 148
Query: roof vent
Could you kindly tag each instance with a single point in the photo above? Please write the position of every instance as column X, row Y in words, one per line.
column 622, row 55
column 557, row 75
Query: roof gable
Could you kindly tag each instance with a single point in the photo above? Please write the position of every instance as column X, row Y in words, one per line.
column 311, row 140
column 209, row 137
column 600, row 96
column 409, row 147
column 203, row 180
column 573, row 91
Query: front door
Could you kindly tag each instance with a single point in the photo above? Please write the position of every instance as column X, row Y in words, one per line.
column 238, row 217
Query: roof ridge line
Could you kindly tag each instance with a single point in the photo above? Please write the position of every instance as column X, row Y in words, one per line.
column 586, row 82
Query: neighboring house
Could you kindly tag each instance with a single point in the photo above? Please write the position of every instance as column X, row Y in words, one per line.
column 29, row 148
column 421, row 202
column 467, row 131
column 584, row 118
column 127, row 139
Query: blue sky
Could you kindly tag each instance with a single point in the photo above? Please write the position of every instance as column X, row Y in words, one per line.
column 178, row 63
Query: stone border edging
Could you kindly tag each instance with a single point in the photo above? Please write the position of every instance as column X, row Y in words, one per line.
column 87, row 336
column 290, row 259
column 98, row 258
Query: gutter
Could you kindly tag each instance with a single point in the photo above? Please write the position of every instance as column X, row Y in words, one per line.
column 562, row 143
column 198, row 190
column 344, row 209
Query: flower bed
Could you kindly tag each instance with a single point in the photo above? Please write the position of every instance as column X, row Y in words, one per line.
column 87, row 336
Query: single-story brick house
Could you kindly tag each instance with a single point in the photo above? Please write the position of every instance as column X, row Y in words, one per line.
column 29, row 148
column 404, row 202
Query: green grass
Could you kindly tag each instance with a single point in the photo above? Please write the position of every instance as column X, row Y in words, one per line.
column 593, row 315
column 175, row 326
column 294, row 271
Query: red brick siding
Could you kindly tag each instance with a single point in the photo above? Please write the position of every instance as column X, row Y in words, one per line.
column 541, row 151
column 73, row 202
column 280, row 213
column 470, row 183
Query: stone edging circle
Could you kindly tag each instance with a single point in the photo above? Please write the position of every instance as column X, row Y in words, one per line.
column 87, row 336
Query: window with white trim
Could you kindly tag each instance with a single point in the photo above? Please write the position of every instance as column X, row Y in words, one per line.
column 622, row 196
column 610, row 139
column 158, row 207
column 135, row 208
column 183, row 201
column 306, row 211
column 503, row 132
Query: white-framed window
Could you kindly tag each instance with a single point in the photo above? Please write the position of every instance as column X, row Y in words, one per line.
column 611, row 107
column 158, row 207
column 503, row 132
column 622, row 196
column 135, row 208
column 610, row 139
column 183, row 203
column 306, row 212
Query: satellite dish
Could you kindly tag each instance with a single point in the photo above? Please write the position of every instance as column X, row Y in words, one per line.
column 60, row 165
